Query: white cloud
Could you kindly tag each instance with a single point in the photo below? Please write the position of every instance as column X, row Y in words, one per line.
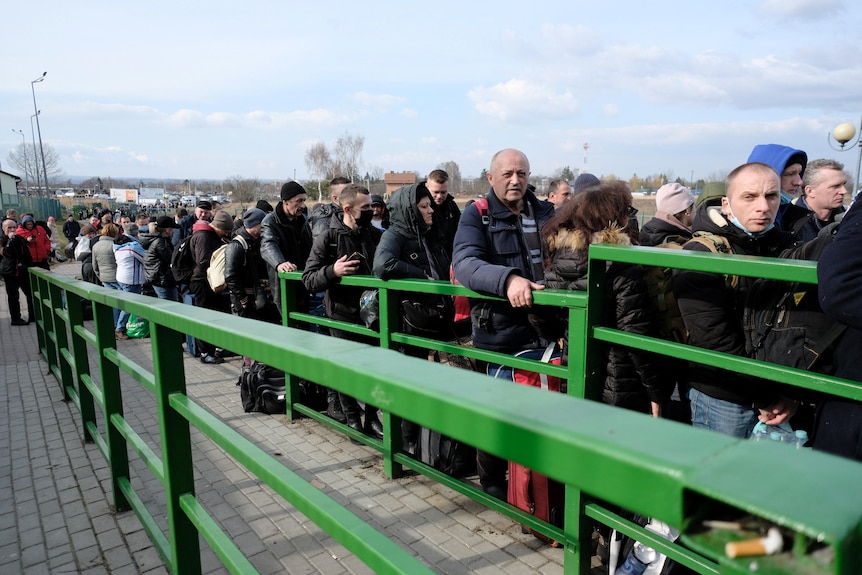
column 522, row 101
column 409, row 113
column 804, row 10
column 378, row 102
column 142, row 158
column 79, row 158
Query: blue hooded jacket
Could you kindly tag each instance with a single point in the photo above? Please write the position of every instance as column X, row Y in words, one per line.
column 779, row 157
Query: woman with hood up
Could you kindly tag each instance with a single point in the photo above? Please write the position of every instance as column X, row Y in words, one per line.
column 413, row 247
column 603, row 215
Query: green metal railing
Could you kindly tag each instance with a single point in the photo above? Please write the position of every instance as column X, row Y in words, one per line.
column 605, row 456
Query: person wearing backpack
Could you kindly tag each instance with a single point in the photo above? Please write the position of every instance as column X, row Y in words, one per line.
column 712, row 305
column 498, row 251
column 206, row 238
column 157, row 261
column 674, row 215
column 244, row 269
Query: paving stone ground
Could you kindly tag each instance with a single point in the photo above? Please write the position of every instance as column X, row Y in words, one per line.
column 55, row 490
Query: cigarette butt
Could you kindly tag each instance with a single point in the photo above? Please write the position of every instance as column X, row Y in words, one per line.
column 768, row 545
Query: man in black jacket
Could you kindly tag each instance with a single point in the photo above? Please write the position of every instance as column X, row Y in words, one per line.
column 712, row 305
column 347, row 248
column 71, row 228
column 244, row 269
column 285, row 238
column 14, row 261
column 447, row 214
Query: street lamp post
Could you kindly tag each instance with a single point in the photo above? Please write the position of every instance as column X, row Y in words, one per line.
column 842, row 134
column 26, row 163
column 35, row 155
column 39, row 130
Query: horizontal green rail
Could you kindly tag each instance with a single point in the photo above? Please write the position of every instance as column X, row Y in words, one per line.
column 657, row 468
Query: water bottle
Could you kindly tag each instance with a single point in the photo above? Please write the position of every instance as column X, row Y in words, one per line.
column 801, row 438
column 637, row 560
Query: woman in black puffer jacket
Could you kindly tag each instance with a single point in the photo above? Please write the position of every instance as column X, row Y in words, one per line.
column 602, row 215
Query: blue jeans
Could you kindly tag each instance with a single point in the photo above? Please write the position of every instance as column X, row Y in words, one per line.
column 123, row 318
column 722, row 416
column 116, row 286
column 170, row 293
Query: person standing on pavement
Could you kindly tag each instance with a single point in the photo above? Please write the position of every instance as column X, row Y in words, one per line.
column 14, row 261
column 207, row 237
column 37, row 241
column 157, row 261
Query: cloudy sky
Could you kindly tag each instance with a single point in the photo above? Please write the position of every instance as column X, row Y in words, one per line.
column 207, row 90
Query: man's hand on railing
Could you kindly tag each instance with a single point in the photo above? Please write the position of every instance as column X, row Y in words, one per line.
column 286, row 267
column 519, row 290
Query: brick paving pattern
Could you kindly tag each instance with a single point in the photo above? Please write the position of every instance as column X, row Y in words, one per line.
column 55, row 490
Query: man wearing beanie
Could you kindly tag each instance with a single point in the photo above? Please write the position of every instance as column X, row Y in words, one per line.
column 790, row 164
column 244, row 269
column 285, row 238
column 584, row 181
column 674, row 205
column 206, row 238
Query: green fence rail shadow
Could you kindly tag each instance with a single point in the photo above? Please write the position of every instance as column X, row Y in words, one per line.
column 601, row 453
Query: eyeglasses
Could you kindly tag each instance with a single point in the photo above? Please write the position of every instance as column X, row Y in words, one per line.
column 632, row 211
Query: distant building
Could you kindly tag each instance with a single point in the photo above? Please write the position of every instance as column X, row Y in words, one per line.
column 394, row 181
column 9, row 183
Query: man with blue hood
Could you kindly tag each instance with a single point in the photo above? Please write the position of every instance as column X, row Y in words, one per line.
column 790, row 164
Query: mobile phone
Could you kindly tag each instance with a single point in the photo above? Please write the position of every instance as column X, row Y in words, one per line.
column 355, row 257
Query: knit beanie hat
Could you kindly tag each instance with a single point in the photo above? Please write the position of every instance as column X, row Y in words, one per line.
column 253, row 217
column 584, row 181
column 264, row 205
column 673, row 198
column 222, row 221
column 291, row 189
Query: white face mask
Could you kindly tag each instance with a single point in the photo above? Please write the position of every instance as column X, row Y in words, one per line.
column 739, row 225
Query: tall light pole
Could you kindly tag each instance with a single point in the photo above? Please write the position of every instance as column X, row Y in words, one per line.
column 35, row 155
column 39, row 130
column 842, row 134
column 26, row 163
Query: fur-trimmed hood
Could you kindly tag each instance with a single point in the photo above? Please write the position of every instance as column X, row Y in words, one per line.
column 576, row 240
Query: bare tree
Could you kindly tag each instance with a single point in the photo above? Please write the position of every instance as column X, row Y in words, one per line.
column 25, row 158
column 318, row 160
column 244, row 190
column 451, row 168
column 347, row 155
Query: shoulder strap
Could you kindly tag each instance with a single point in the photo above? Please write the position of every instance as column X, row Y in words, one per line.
column 717, row 245
column 482, row 205
column 241, row 240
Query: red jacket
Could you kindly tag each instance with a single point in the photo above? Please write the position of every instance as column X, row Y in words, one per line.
column 41, row 246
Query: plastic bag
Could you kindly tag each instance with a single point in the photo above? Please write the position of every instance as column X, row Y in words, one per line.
column 137, row 327
column 369, row 308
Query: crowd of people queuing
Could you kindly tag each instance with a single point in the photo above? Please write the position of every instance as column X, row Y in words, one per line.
column 513, row 245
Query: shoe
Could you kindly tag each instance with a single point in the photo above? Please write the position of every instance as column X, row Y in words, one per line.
column 498, row 491
column 356, row 425
column 120, row 334
column 374, row 429
column 333, row 410
column 410, row 448
column 211, row 359
column 19, row 321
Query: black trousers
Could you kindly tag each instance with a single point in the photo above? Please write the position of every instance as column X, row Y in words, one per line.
column 13, row 284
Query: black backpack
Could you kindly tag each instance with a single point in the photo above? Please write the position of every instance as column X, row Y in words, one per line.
column 183, row 261
column 783, row 321
column 446, row 454
column 262, row 389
